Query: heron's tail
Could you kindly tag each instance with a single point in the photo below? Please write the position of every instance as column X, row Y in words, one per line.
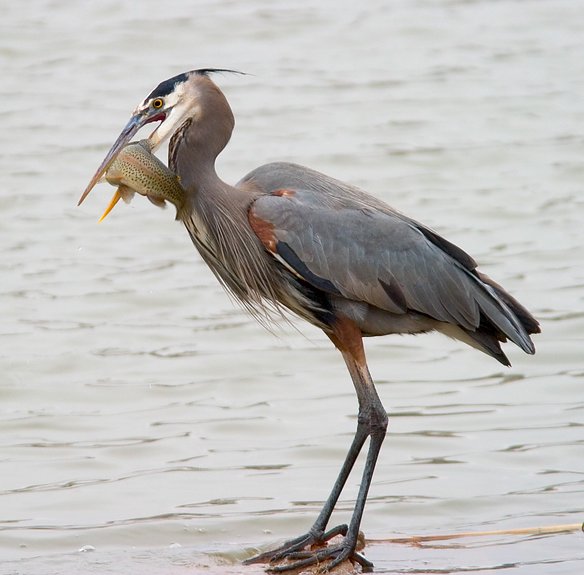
column 502, row 318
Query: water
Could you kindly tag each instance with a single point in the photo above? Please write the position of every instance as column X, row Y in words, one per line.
column 149, row 425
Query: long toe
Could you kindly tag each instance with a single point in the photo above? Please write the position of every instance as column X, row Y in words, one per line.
column 296, row 546
column 327, row 559
column 292, row 546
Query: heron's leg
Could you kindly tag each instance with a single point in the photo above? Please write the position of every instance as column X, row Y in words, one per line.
column 372, row 422
column 317, row 533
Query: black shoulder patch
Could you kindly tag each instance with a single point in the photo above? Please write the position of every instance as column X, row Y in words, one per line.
column 288, row 254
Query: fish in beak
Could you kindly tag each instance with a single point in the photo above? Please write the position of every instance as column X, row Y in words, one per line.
column 135, row 123
column 142, row 116
column 168, row 105
column 137, row 170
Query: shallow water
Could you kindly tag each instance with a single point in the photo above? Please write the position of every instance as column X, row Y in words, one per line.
column 149, row 425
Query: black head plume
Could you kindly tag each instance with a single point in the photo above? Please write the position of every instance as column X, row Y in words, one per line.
column 207, row 71
column 168, row 86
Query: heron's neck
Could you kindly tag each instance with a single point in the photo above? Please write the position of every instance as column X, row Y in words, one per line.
column 193, row 149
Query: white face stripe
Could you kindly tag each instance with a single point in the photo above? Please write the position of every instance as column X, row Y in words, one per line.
column 170, row 100
column 176, row 106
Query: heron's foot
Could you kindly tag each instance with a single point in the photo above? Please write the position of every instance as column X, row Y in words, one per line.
column 312, row 549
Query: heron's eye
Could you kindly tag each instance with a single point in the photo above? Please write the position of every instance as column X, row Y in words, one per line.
column 157, row 103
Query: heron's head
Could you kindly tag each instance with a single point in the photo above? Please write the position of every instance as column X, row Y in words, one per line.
column 171, row 103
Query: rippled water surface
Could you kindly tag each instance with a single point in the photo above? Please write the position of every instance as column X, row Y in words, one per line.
column 149, row 422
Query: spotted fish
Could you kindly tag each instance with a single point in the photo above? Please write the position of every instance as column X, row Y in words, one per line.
column 136, row 169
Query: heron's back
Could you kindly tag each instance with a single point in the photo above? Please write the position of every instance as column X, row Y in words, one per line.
column 381, row 269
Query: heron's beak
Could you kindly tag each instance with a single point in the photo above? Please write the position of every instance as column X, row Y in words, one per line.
column 135, row 123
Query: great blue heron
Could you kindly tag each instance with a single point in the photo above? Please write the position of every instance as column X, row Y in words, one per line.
column 288, row 237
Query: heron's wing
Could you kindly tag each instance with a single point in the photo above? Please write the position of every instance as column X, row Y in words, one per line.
column 379, row 257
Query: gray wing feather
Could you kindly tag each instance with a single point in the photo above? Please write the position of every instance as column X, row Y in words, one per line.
column 371, row 256
column 384, row 259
